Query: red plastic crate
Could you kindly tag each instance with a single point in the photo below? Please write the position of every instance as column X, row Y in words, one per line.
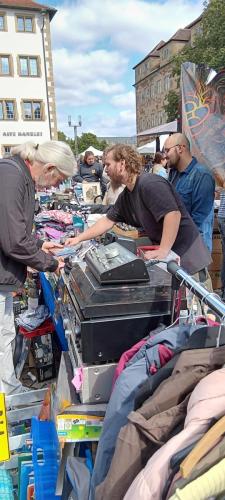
column 46, row 327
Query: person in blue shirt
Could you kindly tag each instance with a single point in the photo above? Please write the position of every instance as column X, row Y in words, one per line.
column 194, row 183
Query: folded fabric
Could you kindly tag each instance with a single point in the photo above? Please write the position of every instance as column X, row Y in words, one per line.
column 53, row 233
column 213, row 457
column 175, row 462
column 211, row 484
column 123, row 396
column 31, row 319
column 150, row 427
column 206, row 402
column 57, row 215
column 128, row 357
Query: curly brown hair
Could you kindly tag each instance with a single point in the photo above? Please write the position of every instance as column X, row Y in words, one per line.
column 133, row 162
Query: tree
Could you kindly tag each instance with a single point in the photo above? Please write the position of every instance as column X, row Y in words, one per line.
column 209, row 44
column 88, row 139
column 171, row 105
column 85, row 141
column 64, row 138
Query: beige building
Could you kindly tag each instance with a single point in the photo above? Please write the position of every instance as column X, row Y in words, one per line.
column 27, row 96
column 154, row 79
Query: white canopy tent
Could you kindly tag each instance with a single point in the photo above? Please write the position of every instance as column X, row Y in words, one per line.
column 96, row 152
column 150, row 147
column 147, row 149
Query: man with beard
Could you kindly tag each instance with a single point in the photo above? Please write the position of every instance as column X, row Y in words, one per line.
column 30, row 165
column 150, row 202
column 194, row 183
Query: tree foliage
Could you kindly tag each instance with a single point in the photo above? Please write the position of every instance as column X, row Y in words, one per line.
column 85, row 141
column 209, row 44
column 171, row 105
column 88, row 139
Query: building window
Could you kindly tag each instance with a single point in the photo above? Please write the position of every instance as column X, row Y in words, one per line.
column 6, row 150
column 152, row 91
column 165, row 53
column 28, row 66
column 2, row 22
column 32, row 110
column 158, row 87
column 25, row 24
column 5, row 65
column 167, row 83
column 7, row 110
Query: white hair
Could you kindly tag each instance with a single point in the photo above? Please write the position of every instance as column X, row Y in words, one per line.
column 57, row 153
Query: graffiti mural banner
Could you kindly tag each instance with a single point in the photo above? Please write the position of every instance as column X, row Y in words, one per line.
column 203, row 115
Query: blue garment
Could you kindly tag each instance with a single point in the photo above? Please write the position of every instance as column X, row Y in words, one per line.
column 196, row 187
column 122, row 399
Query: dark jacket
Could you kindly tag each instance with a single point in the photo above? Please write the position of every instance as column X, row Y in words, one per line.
column 89, row 173
column 18, row 247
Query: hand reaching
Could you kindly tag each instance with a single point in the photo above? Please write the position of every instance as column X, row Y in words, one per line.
column 50, row 247
column 70, row 242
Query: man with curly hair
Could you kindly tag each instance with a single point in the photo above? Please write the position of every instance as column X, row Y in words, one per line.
column 150, row 202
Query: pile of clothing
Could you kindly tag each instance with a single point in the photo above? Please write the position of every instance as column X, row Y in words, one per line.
column 163, row 431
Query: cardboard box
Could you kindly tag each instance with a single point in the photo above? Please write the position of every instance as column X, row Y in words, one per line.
column 75, row 427
column 216, row 280
column 217, row 244
column 217, row 260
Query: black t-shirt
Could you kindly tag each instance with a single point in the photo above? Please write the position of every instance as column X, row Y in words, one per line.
column 146, row 206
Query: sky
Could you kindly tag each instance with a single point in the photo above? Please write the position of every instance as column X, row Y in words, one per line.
column 95, row 45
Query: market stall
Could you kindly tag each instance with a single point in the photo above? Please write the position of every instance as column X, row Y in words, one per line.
column 114, row 337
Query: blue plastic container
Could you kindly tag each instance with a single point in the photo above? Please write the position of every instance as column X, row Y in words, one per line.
column 6, row 485
column 45, row 440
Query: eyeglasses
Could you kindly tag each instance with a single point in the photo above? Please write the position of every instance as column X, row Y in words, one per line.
column 166, row 150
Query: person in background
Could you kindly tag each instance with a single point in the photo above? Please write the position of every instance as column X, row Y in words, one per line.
column 159, row 165
column 30, row 165
column 113, row 190
column 90, row 171
column 147, row 161
column 194, row 183
column 150, row 202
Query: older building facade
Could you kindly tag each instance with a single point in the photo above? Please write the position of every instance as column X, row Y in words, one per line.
column 154, row 79
column 27, row 97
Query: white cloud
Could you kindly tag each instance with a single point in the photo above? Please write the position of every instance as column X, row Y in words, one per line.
column 123, row 124
column 130, row 25
column 84, row 78
column 124, row 100
column 93, row 42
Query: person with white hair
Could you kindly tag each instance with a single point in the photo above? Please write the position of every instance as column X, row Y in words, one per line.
column 30, row 165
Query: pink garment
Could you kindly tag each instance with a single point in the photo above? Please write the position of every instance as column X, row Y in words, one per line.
column 206, row 402
column 206, row 321
column 165, row 354
column 59, row 216
column 53, row 233
column 127, row 356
